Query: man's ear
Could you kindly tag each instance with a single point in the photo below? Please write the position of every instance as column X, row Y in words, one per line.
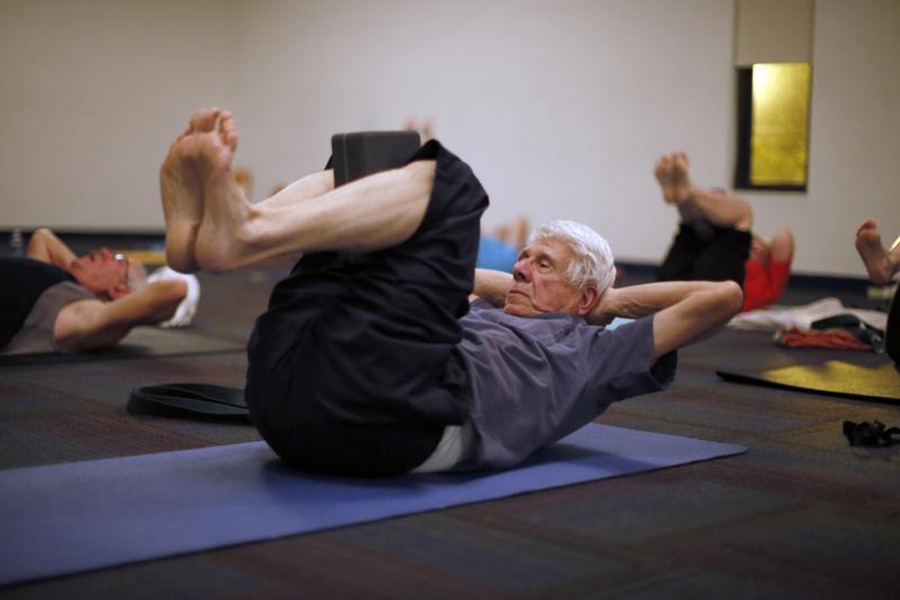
column 117, row 291
column 588, row 297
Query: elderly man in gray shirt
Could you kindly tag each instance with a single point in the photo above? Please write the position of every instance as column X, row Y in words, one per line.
column 373, row 359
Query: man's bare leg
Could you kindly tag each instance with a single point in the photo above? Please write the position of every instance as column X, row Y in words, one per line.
column 311, row 186
column 182, row 192
column 375, row 212
column 695, row 202
column 880, row 262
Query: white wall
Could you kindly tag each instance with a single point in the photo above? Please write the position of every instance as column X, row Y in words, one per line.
column 560, row 107
column 91, row 94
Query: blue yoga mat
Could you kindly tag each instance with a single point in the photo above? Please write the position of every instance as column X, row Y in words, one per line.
column 73, row 517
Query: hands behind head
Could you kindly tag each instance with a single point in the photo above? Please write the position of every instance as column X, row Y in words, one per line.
column 606, row 310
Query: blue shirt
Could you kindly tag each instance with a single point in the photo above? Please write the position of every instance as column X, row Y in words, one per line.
column 496, row 255
column 536, row 379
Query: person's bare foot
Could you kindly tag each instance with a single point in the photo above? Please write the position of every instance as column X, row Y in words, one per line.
column 878, row 261
column 425, row 128
column 672, row 174
column 222, row 238
column 181, row 189
column 519, row 232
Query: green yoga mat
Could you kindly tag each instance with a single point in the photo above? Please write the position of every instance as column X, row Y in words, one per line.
column 833, row 377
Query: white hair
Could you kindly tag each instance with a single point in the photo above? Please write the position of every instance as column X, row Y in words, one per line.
column 137, row 275
column 593, row 262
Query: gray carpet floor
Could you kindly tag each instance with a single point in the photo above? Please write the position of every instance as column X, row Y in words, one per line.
column 801, row 514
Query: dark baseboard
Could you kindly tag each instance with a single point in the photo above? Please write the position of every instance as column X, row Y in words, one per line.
column 139, row 235
column 83, row 241
column 647, row 272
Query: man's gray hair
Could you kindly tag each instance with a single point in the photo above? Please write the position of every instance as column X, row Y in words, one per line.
column 137, row 276
column 593, row 261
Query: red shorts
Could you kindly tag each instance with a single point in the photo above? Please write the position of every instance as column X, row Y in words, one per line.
column 764, row 283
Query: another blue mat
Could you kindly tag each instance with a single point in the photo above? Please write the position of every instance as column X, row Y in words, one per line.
column 73, row 517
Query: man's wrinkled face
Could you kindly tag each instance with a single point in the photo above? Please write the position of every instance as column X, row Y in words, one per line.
column 541, row 281
column 101, row 272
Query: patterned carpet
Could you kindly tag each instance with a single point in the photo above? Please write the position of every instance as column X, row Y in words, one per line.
column 801, row 514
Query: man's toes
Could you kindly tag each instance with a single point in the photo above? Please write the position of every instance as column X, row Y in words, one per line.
column 662, row 168
column 228, row 131
column 868, row 225
column 204, row 120
column 231, row 139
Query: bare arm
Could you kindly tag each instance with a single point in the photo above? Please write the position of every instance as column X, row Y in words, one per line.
column 94, row 324
column 46, row 247
column 492, row 286
column 685, row 311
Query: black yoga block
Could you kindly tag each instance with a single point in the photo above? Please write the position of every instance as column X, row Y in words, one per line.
column 356, row 155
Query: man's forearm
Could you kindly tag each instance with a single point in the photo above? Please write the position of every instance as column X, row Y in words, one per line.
column 46, row 247
column 685, row 311
column 492, row 286
column 639, row 301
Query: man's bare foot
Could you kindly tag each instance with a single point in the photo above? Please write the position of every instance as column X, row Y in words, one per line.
column 425, row 128
column 222, row 238
column 672, row 174
column 877, row 259
column 181, row 188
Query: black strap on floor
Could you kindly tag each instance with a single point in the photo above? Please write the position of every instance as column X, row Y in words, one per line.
column 871, row 434
column 201, row 401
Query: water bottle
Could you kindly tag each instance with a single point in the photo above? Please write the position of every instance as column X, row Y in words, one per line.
column 17, row 243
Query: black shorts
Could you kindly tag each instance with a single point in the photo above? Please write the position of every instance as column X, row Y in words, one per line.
column 353, row 369
column 22, row 281
column 705, row 252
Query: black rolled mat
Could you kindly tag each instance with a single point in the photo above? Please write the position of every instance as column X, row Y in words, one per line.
column 202, row 401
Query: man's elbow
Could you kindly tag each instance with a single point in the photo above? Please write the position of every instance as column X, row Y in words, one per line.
column 171, row 292
column 42, row 234
column 178, row 291
column 178, row 288
column 37, row 243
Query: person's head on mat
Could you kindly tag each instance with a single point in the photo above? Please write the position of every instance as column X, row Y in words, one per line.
column 565, row 267
column 108, row 275
column 61, row 302
column 104, row 273
column 386, row 350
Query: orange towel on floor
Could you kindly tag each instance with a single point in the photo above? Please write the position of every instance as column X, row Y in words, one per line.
column 825, row 338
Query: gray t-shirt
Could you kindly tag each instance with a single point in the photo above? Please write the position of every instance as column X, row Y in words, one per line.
column 537, row 379
column 36, row 334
